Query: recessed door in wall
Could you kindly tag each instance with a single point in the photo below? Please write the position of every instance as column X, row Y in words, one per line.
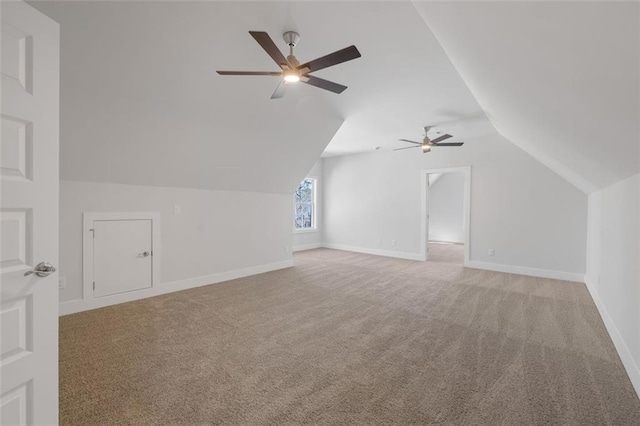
column 122, row 256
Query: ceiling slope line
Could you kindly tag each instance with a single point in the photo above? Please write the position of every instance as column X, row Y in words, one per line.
column 578, row 159
column 568, row 175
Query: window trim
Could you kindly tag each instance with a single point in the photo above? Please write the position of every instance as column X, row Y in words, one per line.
column 314, row 203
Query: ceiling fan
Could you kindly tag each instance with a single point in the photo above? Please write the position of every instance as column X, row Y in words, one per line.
column 291, row 69
column 427, row 143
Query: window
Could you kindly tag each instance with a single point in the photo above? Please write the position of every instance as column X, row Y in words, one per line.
column 305, row 205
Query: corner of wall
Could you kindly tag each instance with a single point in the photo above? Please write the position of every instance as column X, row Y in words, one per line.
column 304, row 247
column 633, row 370
column 523, row 270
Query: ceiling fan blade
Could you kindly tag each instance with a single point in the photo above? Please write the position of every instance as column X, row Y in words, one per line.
column 280, row 90
column 248, row 73
column 450, row 144
column 441, row 138
column 335, row 58
column 324, row 84
column 408, row 147
column 407, row 140
column 270, row 47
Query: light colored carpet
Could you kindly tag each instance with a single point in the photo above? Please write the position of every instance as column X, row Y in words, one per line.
column 345, row 338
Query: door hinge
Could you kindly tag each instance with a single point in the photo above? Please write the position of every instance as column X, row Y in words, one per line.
column 93, row 231
column 94, row 286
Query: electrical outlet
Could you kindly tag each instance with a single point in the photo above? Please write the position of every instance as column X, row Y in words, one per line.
column 177, row 210
column 62, row 282
column 394, row 243
column 492, row 252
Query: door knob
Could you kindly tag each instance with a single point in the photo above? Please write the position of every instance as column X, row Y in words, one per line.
column 42, row 269
column 145, row 254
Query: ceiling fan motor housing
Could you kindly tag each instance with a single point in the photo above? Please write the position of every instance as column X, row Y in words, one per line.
column 291, row 38
column 293, row 61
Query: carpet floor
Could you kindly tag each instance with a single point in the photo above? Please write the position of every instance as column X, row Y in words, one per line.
column 345, row 338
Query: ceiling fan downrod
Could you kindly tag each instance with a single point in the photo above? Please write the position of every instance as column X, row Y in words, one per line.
column 291, row 38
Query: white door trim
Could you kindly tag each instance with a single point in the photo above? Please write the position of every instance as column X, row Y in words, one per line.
column 87, row 250
column 424, row 177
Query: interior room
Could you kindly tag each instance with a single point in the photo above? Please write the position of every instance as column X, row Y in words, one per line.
column 309, row 212
column 446, row 206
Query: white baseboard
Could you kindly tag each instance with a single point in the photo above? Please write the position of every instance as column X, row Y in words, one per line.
column 377, row 252
column 446, row 241
column 307, row 247
column 621, row 346
column 524, row 270
column 521, row 270
column 80, row 305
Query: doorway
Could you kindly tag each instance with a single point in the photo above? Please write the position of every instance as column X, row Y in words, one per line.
column 446, row 212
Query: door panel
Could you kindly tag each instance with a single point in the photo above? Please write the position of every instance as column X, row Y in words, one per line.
column 14, row 406
column 29, row 180
column 122, row 256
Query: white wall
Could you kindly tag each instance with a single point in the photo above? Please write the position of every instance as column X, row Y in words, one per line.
column 216, row 232
column 446, row 208
column 613, row 255
column 531, row 216
column 305, row 240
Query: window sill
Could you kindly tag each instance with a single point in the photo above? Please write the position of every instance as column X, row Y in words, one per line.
column 305, row 231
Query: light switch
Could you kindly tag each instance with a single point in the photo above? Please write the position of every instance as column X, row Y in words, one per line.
column 176, row 210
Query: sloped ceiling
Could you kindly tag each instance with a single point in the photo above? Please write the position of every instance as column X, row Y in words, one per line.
column 142, row 104
column 406, row 82
column 558, row 79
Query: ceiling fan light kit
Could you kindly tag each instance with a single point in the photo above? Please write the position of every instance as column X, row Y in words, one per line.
column 427, row 143
column 291, row 76
column 291, row 69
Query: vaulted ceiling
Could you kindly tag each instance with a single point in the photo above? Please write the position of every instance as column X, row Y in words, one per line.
column 558, row 79
column 141, row 103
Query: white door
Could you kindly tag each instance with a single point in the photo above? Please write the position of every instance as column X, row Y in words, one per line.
column 122, row 256
column 28, row 216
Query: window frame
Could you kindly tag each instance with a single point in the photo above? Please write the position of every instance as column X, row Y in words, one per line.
column 314, row 205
